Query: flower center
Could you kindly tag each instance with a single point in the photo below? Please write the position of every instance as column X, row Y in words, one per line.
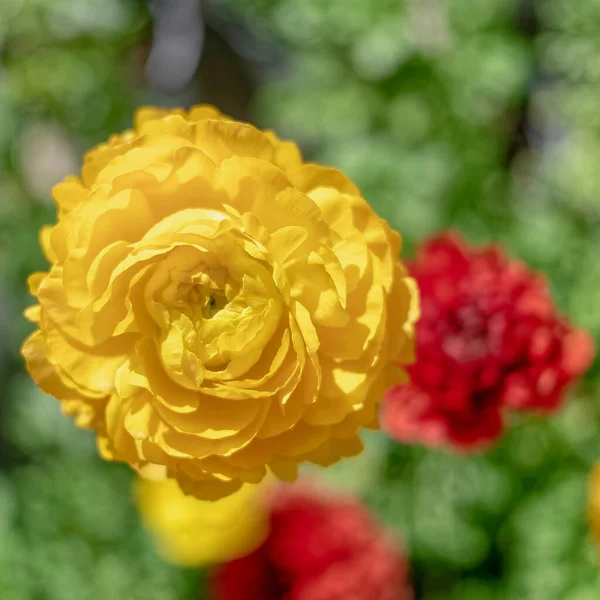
column 468, row 338
column 200, row 300
column 215, row 302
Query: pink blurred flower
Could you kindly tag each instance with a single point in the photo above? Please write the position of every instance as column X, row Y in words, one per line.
column 489, row 340
column 319, row 548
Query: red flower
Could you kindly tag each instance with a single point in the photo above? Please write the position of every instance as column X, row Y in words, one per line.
column 489, row 339
column 318, row 549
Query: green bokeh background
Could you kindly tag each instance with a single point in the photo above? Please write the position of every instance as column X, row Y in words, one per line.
column 483, row 115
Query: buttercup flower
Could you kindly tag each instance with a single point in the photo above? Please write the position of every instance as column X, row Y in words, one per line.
column 318, row 548
column 192, row 532
column 215, row 306
column 489, row 340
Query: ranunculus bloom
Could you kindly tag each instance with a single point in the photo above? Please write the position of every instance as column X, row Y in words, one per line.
column 194, row 532
column 215, row 306
column 489, row 340
column 594, row 504
column 318, row 548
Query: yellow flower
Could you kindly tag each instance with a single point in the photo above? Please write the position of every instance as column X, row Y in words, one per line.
column 594, row 503
column 215, row 306
column 194, row 532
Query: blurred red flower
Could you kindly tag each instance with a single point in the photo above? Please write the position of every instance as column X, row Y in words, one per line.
column 319, row 548
column 489, row 339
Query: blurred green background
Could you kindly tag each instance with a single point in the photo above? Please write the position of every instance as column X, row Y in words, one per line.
column 483, row 115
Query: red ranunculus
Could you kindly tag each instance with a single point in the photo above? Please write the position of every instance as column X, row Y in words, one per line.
column 319, row 548
column 489, row 340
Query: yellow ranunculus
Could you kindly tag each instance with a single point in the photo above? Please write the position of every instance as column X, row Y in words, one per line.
column 194, row 532
column 215, row 306
column 594, row 503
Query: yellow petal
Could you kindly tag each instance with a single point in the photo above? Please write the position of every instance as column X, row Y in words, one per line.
column 215, row 307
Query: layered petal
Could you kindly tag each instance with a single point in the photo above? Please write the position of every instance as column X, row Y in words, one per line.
column 215, row 308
